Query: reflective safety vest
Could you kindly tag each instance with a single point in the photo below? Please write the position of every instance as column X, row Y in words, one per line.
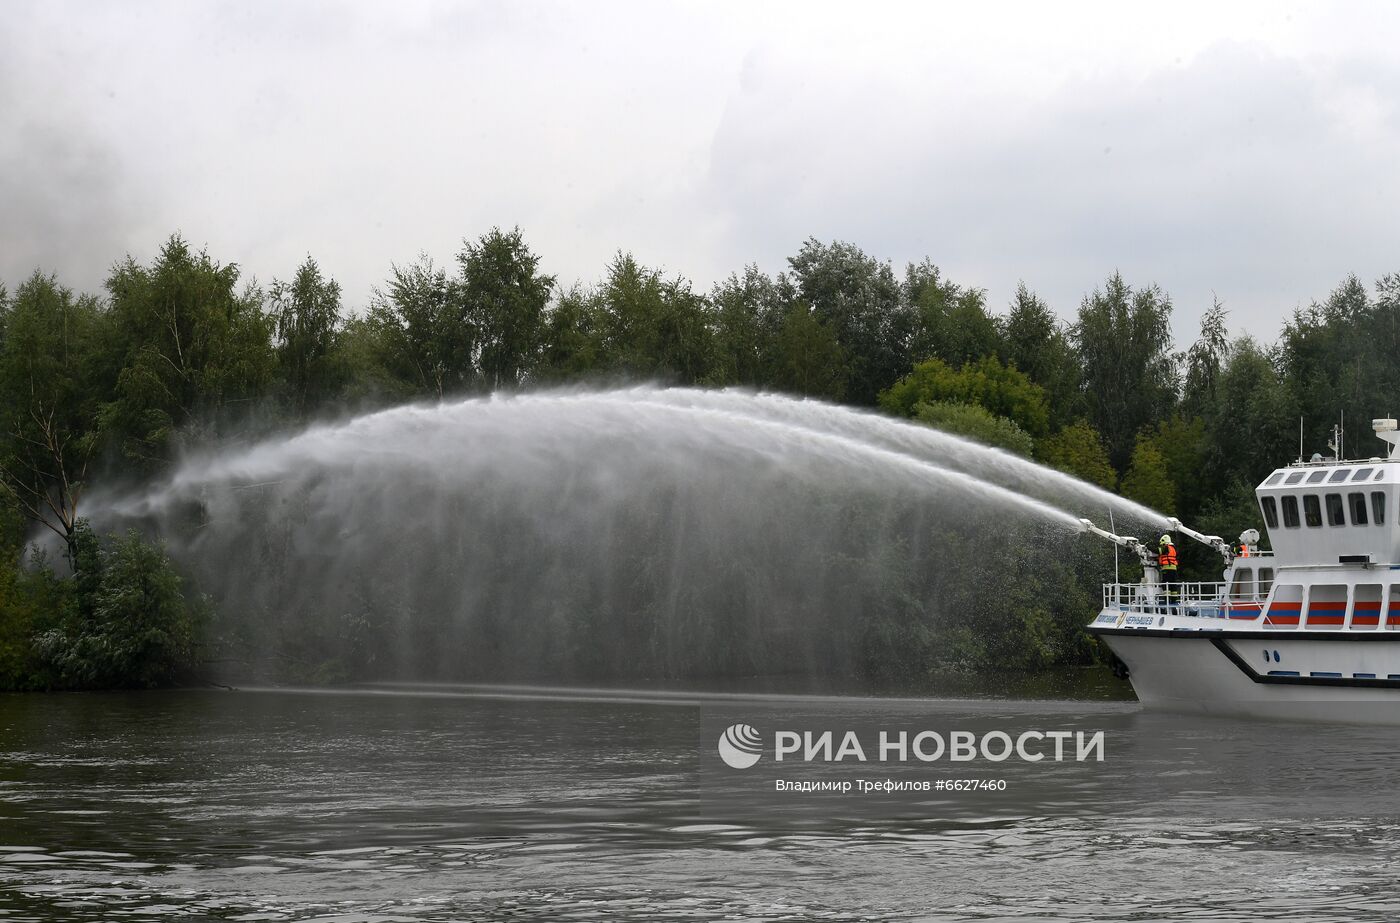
column 1167, row 558
column 1244, row 551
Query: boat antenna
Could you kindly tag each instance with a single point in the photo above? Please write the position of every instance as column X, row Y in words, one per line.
column 1300, row 439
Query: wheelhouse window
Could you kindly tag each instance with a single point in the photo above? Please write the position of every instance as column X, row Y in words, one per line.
column 1339, row 475
column 1290, row 512
column 1277, row 476
column 1378, row 507
column 1316, row 477
column 1294, row 478
column 1266, row 581
column 1357, row 502
column 1335, row 515
column 1270, row 512
column 1362, row 474
column 1312, row 511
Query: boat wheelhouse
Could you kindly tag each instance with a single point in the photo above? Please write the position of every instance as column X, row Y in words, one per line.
column 1309, row 630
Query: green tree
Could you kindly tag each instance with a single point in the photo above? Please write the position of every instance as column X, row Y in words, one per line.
column 1036, row 344
column 358, row 360
column 1078, row 449
column 571, row 340
column 505, row 297
column 808, row 359
column 306, row 323
column 1230, row 512
column 127, row 622
column 988, row 383
column 860, row 300
column 54, row 369
column 196, row 355
column 1181, row 444
column 949, row 322
column 30, row 600
column 1124, row 342
column 1337, row 360
column 749, row 311
column 423, row 336
column 975, row 423
column 1204, row 360
column 651, row 326
column 1148, row 481
column 1254, row 425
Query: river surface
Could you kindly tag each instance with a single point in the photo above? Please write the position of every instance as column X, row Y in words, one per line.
column 471, row 803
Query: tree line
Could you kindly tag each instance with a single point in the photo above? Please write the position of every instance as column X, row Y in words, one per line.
column 109, row 388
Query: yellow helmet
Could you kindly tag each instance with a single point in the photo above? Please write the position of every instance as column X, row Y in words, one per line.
column 1166, row 540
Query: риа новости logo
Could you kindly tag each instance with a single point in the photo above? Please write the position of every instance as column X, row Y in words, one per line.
column 740, row 746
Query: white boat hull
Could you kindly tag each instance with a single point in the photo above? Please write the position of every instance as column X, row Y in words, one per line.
column 1283, row 675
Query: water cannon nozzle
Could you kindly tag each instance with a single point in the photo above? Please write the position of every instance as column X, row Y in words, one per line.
column 1088, row 526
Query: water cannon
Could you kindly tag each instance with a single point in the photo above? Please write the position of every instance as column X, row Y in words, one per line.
column 1214, row 541
column 1249, row 540
column 1147, row 556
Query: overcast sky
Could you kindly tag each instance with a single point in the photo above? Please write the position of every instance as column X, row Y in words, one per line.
column 1250, row 151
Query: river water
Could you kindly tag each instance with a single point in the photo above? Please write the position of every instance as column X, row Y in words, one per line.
column 469, row 803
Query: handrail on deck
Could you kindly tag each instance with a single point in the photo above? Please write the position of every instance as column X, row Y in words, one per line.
column 1152, row 597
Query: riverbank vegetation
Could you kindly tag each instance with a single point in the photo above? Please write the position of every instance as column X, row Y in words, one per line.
column 109, row 389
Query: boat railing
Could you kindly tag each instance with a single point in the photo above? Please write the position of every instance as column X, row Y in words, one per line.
column 1200, row 598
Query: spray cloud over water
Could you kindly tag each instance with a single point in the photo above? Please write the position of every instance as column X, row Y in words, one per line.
column 647, row 531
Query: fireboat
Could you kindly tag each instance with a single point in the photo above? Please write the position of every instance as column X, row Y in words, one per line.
column 1308, row 631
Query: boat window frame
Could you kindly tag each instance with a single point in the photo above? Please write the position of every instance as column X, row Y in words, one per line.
column 1312, row 511
column 1339, row 476
column 1242, row 584
column 1336, row 511
column 1378, row 507
column 1356, row 507
column 1363, row 593
column 1275, row 477
column 1290, row 512
column 1318, row 476
column 1270, row 510
column 1265, row 584
column 1362, row 474
column 1295, row 477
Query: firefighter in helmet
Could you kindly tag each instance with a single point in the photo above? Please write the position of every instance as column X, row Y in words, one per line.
column 1166, row 563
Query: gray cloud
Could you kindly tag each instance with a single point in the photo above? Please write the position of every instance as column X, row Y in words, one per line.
column 1245, row 152
column 1239, row 173
column 67, row 203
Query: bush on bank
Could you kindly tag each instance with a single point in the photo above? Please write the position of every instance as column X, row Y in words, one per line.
column 119, row 620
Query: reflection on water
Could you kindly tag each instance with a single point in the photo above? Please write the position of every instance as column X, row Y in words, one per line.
column 433, row 803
